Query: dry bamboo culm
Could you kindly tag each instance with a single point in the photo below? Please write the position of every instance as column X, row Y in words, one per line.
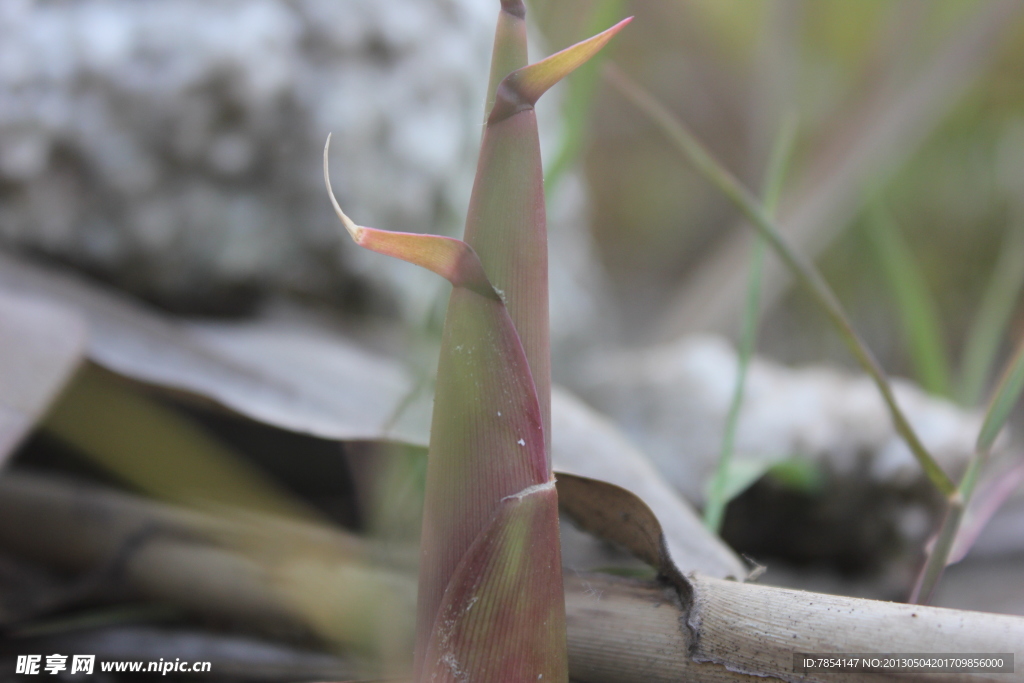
column 619, row 630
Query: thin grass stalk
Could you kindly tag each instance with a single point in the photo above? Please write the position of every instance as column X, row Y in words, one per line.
column 781, row 153
column 918, row 311
column 935, row 565
column 804, row 271
column 993, row 316
column 998, row 486
column 1004, row 398
column 579, row 101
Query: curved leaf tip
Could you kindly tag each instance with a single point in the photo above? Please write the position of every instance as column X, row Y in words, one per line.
column 354, row 230
column 523, row 87
column 452, row 259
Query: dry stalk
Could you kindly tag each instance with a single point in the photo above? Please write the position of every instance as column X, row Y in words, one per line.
column 619, row 630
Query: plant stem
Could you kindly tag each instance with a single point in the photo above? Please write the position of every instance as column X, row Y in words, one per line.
column 930, row 574
column 1003, row 399
column 917, row 308
column 781, row 153
column 994, row 313
column 805, row 272
column 579, row 100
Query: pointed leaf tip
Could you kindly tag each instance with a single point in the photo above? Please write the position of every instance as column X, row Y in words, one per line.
column 354, row 230
column 522, row 88
column 452, row 259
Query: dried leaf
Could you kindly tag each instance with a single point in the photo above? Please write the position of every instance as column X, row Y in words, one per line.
column 586, row 444
column 296, row 373
column 616, row 515
column 288, row 371
column 41, row 345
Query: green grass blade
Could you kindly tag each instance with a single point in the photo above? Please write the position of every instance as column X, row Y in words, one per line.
column 579, row 100
column 1003, row 400
column 929, row 577
column 917, row 309
column 729, row 482
column 989, row 496
column 719, row 494
column 798, row 474
column 159, row 451
column 993, row 316
column 803, row 270
column 966, row 518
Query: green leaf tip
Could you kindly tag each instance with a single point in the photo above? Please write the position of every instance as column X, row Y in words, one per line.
column 450, row 258
column 523, row 87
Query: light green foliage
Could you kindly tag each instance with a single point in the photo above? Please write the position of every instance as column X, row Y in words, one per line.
column 918, row 312
column 993, row 316
column 1003, row 400
column 579, row 100
column 804, row 271
column 737, row 476
column 719, row 494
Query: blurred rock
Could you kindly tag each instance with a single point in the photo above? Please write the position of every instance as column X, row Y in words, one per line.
column 174, row 147
column 673, row 399
column 862, row 505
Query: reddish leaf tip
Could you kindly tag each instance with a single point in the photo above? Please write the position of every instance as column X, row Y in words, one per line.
column 516, row 8
column 450, row 258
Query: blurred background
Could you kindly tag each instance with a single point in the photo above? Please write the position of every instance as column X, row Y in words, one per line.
column 215, row 406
